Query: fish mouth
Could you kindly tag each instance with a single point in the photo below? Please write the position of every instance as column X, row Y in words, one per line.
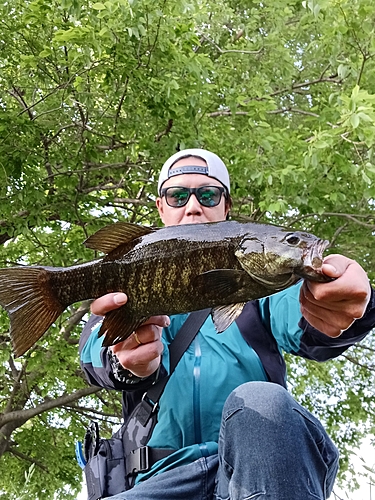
column 313, row 261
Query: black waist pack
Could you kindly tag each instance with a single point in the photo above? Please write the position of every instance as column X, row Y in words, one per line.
column 112, row 464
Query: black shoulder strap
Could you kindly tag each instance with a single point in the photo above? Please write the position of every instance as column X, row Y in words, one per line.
column 259, row 337
column 178, row 346
column 185, row 336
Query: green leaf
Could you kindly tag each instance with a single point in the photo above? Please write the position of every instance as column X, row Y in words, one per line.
column 364, row 117
column 103, row 31
column 98, row 6
column 354, row 120
column 45, row 52
column 343, row 71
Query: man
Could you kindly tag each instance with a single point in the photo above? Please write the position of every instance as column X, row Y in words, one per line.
column 237, row 431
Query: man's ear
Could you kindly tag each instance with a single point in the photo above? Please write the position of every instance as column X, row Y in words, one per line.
column 227, row 209
column 159, row 206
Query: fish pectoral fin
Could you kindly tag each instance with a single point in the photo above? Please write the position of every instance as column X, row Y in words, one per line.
column 220, row 282
column 223, row 316
column 117, row 326
column 110, row 237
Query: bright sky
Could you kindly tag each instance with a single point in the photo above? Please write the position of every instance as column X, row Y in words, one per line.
column 366, row 491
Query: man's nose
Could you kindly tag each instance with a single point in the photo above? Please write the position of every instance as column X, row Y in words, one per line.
column 193, row 206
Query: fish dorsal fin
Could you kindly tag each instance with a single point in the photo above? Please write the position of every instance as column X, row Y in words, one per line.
column 110, row 237
column 223, row 316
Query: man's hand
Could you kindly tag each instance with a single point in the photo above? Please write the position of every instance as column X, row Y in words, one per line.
column 332, row 307
column 142, row 356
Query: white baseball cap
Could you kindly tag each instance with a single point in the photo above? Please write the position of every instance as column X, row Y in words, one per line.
column 215, row 167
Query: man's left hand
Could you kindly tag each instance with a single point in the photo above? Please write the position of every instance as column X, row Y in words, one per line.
column 332, row 307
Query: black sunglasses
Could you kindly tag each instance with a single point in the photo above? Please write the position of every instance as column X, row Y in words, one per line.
column 178, row 196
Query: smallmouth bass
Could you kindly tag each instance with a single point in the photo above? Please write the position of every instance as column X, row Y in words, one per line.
column 170, row 270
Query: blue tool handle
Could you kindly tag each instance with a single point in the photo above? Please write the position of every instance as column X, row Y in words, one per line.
column 80, row 456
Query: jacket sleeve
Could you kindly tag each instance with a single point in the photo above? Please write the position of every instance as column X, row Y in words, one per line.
column 95, row 361
column 315, row 345
column 282, row 316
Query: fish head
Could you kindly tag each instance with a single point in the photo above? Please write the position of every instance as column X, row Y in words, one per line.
column 277, row 257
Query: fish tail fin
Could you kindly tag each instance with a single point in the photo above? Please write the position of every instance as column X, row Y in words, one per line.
column 26, row 294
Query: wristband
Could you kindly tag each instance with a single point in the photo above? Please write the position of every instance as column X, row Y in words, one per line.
column 119, row 372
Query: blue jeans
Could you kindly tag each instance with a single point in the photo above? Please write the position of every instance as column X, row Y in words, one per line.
column 270, row 448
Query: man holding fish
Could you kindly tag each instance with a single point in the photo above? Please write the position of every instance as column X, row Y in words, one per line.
column 226, row 426
column 234, row 430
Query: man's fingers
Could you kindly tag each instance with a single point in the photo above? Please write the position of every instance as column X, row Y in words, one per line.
column 354, row 307
column 321, row 325
column 108, row 302
column 351, row 285
column 161, row 320
column 333, row 319
column 144, row 335
column 335, row 265
column 140, row 353
column 148, row 332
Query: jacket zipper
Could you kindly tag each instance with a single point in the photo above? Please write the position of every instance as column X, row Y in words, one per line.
column 197, row 397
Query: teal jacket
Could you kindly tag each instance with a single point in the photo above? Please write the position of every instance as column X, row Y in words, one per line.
column 215, row 364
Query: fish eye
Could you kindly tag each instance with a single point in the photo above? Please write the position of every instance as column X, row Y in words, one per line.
column 293, row 240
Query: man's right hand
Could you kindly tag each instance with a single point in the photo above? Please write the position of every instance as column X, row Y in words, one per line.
column 143, row 358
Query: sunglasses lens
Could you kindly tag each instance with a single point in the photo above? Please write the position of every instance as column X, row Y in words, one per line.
column 177, row 196
column 209, row 196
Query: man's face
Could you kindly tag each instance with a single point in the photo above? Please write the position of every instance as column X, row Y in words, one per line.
column 193, row 212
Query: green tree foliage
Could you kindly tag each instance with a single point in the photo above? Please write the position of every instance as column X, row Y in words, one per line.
column 96, row 95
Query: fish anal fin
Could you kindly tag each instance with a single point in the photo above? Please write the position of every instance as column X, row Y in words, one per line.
column 221, row 282
column 110, row 237
column 223, row 316
column 117, row 326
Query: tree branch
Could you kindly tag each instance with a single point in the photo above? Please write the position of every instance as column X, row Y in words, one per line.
column 118, row 111
column 165, row 131
column 272, row 112
column 73, row 321
column 370, row 368
column 18, row 95
column 235, row 51
column 292, row 110
column 306, row 84
column 356, row 143
column 152, row 48
column 294, row 87
column 227, row 113
column 92, row 167
column 133, row 201
column 23, row 416
column 338, row 231
column 61, row 129
column 16, row 385
column 351, row 217
column 83, row 410
column 16, row 453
